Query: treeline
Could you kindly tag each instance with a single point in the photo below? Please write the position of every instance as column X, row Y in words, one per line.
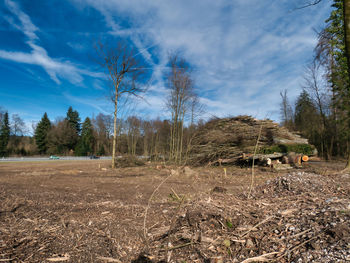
column 321, row 113
column 93, row 136
column 111, row 135
column 13, row 140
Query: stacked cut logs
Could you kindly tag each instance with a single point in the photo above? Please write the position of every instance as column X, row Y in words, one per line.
column 227, row 140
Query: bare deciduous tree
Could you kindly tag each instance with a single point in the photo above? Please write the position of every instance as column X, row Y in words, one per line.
column 286, row 110
column 124, row 69
column 318, row 92
column 315, row 2
column 133, row 131
column 103, row 127
column 181, row 89
column 18, row 126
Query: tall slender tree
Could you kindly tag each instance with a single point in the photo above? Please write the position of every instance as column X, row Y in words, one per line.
column 286, row 110
column 124, row 69
column 74, row 121
column 346, row 24
column 41, row 132
column 337, row 50
column 86, row 142
column 181, row 92
column 4, row 134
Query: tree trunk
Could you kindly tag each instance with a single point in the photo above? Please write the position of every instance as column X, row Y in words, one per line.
column 115, row 131
column 346, row 14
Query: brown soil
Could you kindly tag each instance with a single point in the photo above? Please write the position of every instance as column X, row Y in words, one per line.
column 65, row 211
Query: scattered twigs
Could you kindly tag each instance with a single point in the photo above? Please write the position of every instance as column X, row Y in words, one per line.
column 255, row 149
column 301, row 233
column 298, row 246
column 180, row 246
column 172, row 224
column 148, row 206
column 252, row 228
column 108, row 259
column 12, row 210
column 58, row 259
column 261, row 258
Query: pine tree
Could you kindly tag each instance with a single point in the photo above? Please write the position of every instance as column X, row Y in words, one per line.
column 307, row 118
column 331, row 51
column 338, row 68
column 101, row 150
column 86, row 142
column 74, row 120
column 4, row 134
column 41, row 132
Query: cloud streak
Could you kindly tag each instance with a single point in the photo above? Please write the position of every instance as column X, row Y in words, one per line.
column 244, row 52
column 56, row 68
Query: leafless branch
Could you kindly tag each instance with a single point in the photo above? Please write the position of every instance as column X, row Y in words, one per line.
column 308, row 5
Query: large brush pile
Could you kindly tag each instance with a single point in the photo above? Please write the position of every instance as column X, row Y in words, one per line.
column 229, row 138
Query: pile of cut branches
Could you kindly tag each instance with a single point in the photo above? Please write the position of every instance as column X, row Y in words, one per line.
column 229, row 138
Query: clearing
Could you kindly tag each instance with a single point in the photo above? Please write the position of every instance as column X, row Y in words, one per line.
column 82, row 211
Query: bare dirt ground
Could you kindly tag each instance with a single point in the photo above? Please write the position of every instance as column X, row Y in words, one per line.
column 65, row 211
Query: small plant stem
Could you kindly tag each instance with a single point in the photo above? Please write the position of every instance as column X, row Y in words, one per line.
column 255, row 149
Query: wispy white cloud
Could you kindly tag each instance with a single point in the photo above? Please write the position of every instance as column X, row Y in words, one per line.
column 25, row 24
column 77, row 46
column 98, row 84
column 56, row 68
column 243, row 52
column 101, row 105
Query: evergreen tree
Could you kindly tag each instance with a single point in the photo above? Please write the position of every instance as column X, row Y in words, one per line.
column 304, row 111
column 4, row 134
column 101, row 150
column 331, row 52
column 338, row 68
column 41, row 131
column 86, row 142
column 73, row 119
column 307, row 118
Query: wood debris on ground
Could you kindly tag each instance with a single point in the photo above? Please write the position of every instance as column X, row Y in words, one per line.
column 301, row 215
column 293, row 218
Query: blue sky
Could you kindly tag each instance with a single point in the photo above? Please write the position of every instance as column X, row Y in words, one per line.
column 243, row 52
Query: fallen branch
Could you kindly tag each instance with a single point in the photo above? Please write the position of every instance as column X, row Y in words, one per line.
column 301, row 233
column 262, row 222
column 180, row 246
column 58, row 259
column 262, row 258
column 107, row 259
